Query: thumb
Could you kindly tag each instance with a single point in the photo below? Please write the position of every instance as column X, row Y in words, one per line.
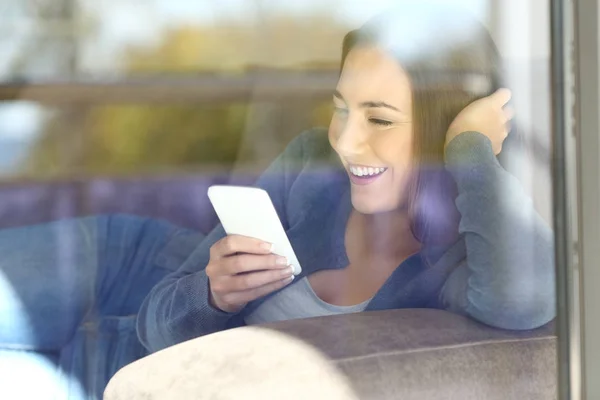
column 501, row 96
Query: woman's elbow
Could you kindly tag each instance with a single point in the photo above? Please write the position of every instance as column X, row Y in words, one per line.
column 149, row 330
column 516, row 312
column 154, row 319
column 526, row 317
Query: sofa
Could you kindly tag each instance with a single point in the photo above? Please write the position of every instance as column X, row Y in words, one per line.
column 400, row 354
column 383, row 355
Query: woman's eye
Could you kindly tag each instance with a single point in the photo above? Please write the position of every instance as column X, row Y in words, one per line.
column 380, row 122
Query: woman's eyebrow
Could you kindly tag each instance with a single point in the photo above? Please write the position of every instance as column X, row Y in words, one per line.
column 378, row 104
column 368, row 104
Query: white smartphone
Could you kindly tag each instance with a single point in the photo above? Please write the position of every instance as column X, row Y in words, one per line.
column 249, row 211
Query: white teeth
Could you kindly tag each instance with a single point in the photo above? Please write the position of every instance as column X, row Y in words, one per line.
column 366, row 171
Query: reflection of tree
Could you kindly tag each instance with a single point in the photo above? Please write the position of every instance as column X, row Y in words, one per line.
column 57, row 28
column 124, row 139
column 281, row 42
column 127, row 138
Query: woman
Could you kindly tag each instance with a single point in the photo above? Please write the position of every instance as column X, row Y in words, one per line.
column 401, row 203
column 422, row 214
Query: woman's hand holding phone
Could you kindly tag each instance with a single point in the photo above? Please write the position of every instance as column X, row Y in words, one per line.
column 242, row 269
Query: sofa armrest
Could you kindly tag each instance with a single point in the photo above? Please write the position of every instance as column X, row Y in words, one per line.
column 407, row 354
column 433, row 354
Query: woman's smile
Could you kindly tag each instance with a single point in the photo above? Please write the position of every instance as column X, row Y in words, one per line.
column 365, row 175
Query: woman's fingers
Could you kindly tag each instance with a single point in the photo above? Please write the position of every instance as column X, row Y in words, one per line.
column 242, row 269
column 234, row 244
column 244, row 263
column 249, row 281
column 509, row 113
column 501, row 96
column 246, row 296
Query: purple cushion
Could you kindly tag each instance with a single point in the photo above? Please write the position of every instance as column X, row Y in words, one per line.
column 181, row 200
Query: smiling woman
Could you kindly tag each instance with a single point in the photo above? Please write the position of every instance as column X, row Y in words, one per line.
column 416, row 212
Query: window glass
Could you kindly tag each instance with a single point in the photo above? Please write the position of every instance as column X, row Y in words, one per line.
column 414, row 189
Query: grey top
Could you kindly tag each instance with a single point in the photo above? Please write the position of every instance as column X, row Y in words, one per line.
column 298, row 300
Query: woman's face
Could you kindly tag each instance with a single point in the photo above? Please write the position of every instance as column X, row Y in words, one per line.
column 371, row 129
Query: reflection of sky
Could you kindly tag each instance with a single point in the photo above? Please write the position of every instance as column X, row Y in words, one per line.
column 142, row 21
column 122, row 23
column 134, row 22
column 354, row 11
column 19, row 120
column 19, row 125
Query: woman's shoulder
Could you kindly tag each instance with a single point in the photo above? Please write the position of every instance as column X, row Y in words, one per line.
column 311, row 150
column 315, row 178
column 320, row 169
column 311, row 144
column 308, row 161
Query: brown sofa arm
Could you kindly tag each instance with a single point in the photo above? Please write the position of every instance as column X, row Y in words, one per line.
column 433, row 354
column 396, row 354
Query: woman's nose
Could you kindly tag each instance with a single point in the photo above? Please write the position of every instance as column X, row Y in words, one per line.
column 352, row 140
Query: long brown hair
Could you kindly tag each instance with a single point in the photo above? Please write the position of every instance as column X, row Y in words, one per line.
column 451, row 61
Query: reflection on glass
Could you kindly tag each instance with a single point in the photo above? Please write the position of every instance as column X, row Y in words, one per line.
column 396, row 195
